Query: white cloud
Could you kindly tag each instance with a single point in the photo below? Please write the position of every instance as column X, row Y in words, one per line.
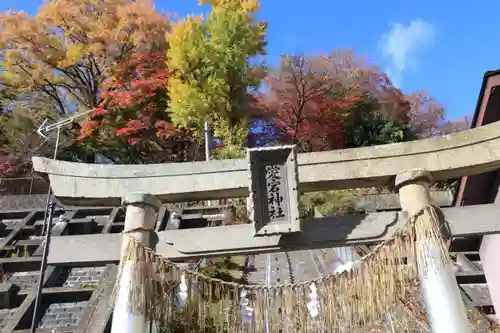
column 402, row 44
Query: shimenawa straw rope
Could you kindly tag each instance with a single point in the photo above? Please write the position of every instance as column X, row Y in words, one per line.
column 347, row 300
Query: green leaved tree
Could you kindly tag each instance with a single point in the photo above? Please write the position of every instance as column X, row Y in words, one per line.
column 369, row 124
column 213, row 68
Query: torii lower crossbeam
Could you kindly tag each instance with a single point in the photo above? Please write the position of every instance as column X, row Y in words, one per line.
column 317, row 233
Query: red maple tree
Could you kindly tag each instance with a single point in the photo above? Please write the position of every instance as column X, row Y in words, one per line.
column 132, row 118
column 307, row 103
column 5, row 166
column 310, row 98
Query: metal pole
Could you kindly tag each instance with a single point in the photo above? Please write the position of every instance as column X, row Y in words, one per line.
column 206, row 130
column 57, row 143
column 49, row 192
column 207, row 140
column 268, row 282
column 44, row 226
column 38, row 299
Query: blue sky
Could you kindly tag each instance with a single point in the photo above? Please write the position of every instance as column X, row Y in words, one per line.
column 443, row 47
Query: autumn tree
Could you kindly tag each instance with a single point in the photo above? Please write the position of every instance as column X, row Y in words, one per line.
column 5, row 162
column 212, row 73
column 368, row 123
column 457, row 125
column 262, row 131
column 310, row 98
column 19, row 140
column 132, row 125
column 6, row 98
column 68, row 48
column 425, row 113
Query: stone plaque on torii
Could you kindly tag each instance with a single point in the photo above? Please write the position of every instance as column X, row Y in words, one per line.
column 274, row 196
column 276, row 176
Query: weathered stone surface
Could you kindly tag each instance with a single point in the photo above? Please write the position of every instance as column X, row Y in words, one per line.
column 317, row 233
column 13, row 203
column 62, row 314
column 5, row 315
column 78, row 277
column 6, row 290
column 273, row 202
column 445, row 157
column 24, row 280
column 390, row 201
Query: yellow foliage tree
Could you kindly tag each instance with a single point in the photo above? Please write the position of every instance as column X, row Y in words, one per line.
column 66, row 50
column 212, row 71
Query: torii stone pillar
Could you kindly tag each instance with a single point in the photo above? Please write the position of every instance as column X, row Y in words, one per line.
column 443, row 303
column 140, row 220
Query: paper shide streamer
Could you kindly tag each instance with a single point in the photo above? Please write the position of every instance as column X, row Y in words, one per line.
column 339, row 302
column 182, row 294
column 246, row 309
column 313, row 306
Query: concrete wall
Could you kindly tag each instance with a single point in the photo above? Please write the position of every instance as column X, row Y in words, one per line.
column 75, row 298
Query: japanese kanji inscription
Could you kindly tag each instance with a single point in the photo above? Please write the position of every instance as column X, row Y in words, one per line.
column 273, row 190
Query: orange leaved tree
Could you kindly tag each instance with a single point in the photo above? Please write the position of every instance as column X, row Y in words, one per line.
column 67, row 49
column 132, row 124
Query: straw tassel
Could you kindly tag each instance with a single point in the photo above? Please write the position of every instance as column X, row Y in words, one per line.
column 351, row 299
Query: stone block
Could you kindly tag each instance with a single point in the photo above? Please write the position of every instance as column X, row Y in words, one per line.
column 60, row 315
column 5, row 315
column 6, row 290
column 65, row 315
column 48, row 323
column 273, row 200
column 24, row 280
column 84, row 275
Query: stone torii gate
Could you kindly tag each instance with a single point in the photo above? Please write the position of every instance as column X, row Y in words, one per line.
column 410, row 167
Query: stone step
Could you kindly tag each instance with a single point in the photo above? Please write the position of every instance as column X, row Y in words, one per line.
column 305, row 265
